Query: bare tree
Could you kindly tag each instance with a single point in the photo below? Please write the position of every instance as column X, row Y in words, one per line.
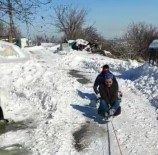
column 90, row 34
column 21, row 10
column 16, row 32
column 138, row 38
column 2, row 29
column 70, row 21
column 40, row 38
column 5, row 30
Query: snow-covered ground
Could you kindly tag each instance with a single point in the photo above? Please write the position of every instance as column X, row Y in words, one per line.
column 57, row 109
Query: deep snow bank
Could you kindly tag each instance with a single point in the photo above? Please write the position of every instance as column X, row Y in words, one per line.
column 10, row 50
column 145, row 78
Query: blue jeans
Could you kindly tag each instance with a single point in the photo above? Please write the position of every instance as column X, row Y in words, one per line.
column 104, row 107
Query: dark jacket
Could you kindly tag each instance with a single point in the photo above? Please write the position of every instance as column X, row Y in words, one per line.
column 100, row 79
column 109, row 94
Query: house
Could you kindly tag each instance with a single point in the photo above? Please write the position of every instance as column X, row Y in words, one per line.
column 23, row 42
column 153, row 52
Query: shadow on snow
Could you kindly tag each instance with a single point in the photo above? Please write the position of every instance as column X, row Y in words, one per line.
column 90, row 110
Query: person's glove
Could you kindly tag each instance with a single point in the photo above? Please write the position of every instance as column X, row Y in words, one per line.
column 98, row 97
column 97, row 100
column 96, row 89
column 111, row 112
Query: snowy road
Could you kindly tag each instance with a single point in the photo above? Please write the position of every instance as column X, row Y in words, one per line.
column 56, row 109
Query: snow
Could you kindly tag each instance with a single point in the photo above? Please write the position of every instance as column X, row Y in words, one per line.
column 37, row 89
column 70, row 41
column 145, row 78
column 4, row 47
column 48, row 44
column 107, row 53
column 82, row 42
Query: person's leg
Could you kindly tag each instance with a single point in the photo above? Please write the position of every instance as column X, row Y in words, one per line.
column 103, row 107
column 1, row 114
column 149, row 59
column 114, row 107
column 154, row 59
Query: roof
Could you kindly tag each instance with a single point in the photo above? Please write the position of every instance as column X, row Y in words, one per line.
column 154, row 44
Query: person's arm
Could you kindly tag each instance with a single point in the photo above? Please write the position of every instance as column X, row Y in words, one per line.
column 95, row 88
column 96, row 84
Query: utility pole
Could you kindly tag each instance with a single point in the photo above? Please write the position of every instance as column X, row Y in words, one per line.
column 10, row 13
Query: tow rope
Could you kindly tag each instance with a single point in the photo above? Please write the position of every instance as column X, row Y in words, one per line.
column 115, row 137
column 109, row 148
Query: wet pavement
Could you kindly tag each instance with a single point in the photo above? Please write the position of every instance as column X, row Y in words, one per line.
column 80, row 78
column 88, row 132
column 15, row 149
column 12, row 126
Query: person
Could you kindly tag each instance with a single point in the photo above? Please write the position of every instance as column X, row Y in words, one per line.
column 100, row 78
column 109, row 102
column 2, row 119
column 1, row 114
column 152, row 56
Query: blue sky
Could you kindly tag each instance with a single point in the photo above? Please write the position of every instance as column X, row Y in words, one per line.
column 110, row 17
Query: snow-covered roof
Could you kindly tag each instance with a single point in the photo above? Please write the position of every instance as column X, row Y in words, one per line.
column 154, row 44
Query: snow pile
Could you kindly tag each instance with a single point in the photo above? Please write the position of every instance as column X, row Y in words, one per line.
column 81, row 42
column 34, row 48
column 10, row 50
column 147, row 83
column 145, row 78
column 56, row 107
column 71, row 41
column 54, row 48
column 107, row 53
column 97, row 61
column 48, row 44
column 141, row 71
column 78, row 41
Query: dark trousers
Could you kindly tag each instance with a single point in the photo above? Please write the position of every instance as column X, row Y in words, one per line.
column 105, row 107
column 152, row 60
column 1, row 114
column 153, row 57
